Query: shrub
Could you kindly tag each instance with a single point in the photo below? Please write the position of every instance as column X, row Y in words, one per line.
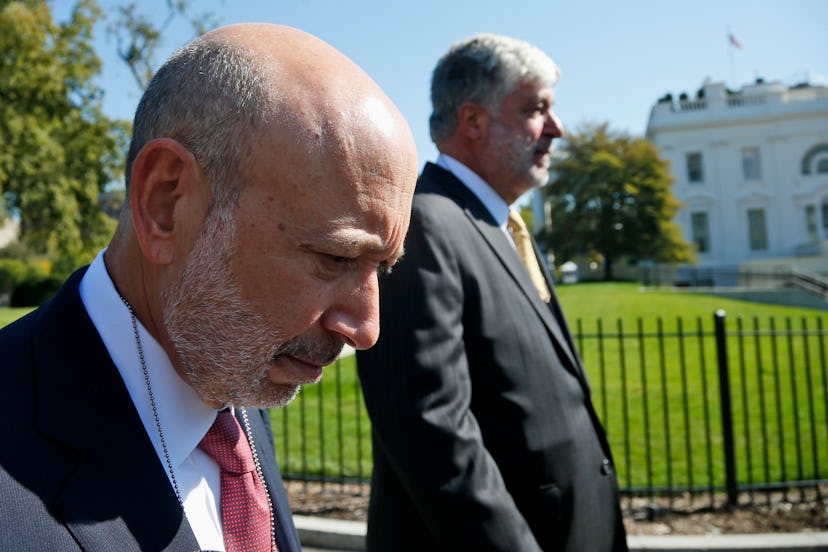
column 26, row 282
column 12, row 271
column 33, row 291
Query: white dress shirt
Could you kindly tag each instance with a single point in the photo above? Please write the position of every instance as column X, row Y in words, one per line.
column 184, row 418
column 490, row 199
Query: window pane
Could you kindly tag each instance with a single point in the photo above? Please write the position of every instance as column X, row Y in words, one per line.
column 700, row 231
column 811, row 223
column 825, row 215
column 751, row 167
column 757, row 231
column 694, row 167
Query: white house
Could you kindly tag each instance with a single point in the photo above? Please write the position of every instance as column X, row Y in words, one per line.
column 751, row 168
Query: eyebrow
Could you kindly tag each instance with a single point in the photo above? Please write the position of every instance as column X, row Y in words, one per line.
column 351, row 246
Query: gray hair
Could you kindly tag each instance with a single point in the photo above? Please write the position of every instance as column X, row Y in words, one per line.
column 211, row 97
column 483, row 69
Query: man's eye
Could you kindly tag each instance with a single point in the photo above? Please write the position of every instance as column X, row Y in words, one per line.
column 339, row 262
column 331, row 266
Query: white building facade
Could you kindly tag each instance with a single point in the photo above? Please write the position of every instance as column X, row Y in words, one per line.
column 751, row 168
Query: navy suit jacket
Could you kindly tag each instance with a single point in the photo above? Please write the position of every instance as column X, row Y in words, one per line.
column 484, row 435
column 77, row 469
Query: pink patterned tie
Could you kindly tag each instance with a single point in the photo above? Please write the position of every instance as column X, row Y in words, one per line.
column 245, row 512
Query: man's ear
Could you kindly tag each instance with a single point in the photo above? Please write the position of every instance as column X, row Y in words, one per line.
column 473, row 121
column 164, row 187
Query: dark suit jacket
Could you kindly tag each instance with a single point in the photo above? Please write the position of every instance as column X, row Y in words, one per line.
column 484, row 435
column 77, row 469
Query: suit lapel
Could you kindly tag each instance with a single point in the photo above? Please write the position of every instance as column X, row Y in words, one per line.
column 504, row 252
column 557, row 312
column 497, row 241
column 116, row 494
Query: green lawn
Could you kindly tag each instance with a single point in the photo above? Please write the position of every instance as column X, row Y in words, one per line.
column 8, row 315
column 643, row 350
column 326, row 431
column 652, row 362
column 628, row 301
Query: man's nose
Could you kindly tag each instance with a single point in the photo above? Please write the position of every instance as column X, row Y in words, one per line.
column 355, row 314
column 553, row 125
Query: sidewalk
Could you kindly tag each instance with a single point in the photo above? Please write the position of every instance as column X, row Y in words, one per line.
column 339, row 535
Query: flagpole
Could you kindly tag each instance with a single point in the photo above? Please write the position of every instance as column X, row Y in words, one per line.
column 732, row 64
column 730, row 58
column 732, row 43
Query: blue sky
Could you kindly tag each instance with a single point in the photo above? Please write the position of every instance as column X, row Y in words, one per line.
column 617, row 57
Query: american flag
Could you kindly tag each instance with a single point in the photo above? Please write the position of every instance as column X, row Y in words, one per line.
column 734, row 41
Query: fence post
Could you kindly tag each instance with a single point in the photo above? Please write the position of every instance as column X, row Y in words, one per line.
column 727, row 411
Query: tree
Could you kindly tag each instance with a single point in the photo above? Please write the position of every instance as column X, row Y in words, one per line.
column 58, row 151
column 138, row 37
column 610, row 197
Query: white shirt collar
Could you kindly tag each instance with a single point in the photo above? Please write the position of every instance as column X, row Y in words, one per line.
column 184, row 417
column 495, row 204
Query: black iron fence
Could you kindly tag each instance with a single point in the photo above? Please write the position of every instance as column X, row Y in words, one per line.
column 713, row 410
column 708, row 412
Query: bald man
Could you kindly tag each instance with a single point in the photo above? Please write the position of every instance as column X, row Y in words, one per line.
column 269, row 181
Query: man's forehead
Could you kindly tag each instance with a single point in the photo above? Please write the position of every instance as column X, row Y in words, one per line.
column 533, row 90
column 527, row 95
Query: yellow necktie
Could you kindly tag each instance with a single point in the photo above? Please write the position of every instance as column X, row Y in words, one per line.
column 526, row 252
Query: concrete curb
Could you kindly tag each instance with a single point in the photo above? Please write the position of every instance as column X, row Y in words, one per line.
column 336, row 534
column 332, row 534
column 776, row 542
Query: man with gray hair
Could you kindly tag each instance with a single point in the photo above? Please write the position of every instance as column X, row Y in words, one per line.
column 484, row 435
column 247, row 254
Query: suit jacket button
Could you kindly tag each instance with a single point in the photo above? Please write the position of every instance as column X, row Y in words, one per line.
column 606, row 466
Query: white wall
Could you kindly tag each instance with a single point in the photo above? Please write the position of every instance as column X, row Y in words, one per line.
column 784, row 123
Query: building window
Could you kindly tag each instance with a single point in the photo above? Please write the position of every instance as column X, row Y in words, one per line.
column 825, row 216
column 811, row 223
column 815, row 160
column 751, row 167
column 695, row 173
column 700, row 229
column 757, row 230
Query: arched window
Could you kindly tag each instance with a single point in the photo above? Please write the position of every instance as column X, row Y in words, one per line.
column 815, row 160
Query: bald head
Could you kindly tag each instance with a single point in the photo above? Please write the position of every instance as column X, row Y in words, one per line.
column 217, row 94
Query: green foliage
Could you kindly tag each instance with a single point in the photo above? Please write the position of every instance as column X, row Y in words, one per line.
column 34, row 290
column 26, row 280
column 59, row 151
column 139, row 37
column 12, row 272
column 610, row 198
